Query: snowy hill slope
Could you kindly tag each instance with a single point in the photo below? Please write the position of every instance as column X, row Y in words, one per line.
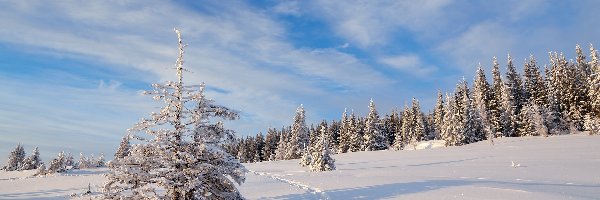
column 561, row 167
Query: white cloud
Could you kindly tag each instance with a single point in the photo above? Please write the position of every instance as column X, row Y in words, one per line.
column 235, row 48
column 372, row 23
column 410, row 63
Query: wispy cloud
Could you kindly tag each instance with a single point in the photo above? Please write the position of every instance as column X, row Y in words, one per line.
column 410, row 64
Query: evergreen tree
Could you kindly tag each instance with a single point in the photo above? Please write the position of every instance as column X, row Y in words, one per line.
column 83, row 162
column 58, row 164
column 282, row 145
column 270, row 144
column 373, row 136
column 391, row 126
column 124, row 147
column 496, row 101
column 473, row 126
column 535, row 88
column 345, row 134
column 438, row 115
column 355, row 132
column 481, row 102
column 306, row 158
column 99, row 163
column 15, row 158
column 594, row 83
column 416, row 123
column 259, row 141
column 321, row 157
column 69, row 162
column 184, row 154
column 33, row 161
column 299, row 137
column 554, row 118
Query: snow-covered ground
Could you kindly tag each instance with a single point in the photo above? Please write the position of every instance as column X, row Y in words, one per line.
column 560, row 167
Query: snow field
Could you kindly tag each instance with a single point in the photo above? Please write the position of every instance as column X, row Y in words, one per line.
column 558, row 167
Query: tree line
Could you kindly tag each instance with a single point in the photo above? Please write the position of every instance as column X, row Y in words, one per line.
column 559, row 98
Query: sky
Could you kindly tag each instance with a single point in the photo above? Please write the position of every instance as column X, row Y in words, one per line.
column 72, row 72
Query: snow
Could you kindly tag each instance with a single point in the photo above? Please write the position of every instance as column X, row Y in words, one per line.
column 558, row 167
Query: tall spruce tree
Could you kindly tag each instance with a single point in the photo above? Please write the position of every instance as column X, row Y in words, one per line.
column 438, row 115
column 344, row 139
column 373, row 135
column 594, row 83
column 482, row 97
column 183, row 155
column 299, row 137
column 495, row 103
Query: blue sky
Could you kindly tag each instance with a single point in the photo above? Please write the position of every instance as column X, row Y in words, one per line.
column 71, row 72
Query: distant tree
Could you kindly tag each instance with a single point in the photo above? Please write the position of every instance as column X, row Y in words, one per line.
column 58, row 164
column 482, row 97
column 33, row 161
column 124, row 147
column 594, row 83
column 321, row 157
column 299, row 137
column 83, row 162
column 355, row 131
column 391, row 126
column 306, row 158
column 496, row 101
column 535, row 87
column 69, row 160
column 100, row 162
column 183, row 155
column 345, row 134
column 438, row 115
column 373, row 136
column 15, row 158
column 270, row 144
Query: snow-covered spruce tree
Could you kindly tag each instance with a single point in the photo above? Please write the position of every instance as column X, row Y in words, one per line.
column 282, row 145
column 124, row 147
column 15, row 158
column 83, row 162
column 473, row 130
column 373, row 136
column 306, row 158
column 449, row 126
column 299, row 137
column 554, row 118
column 183, row 155
column 344, row 139
column 416, row 123
column 392, row 127
column 41, row 170
column 270, row 144
column 321, row 157
column 481, row 102
column 69, row 160
column 356, row 138
column 33, row 161
column 594, row 83
column 101, row 162
column 535, row 87
column 438, row 115
column 495, row 103
column 58, row 164
column 513, row 98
